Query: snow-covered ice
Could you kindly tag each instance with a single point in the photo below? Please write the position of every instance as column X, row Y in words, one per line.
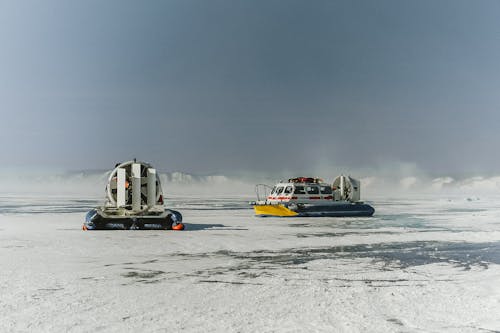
column 428, row 264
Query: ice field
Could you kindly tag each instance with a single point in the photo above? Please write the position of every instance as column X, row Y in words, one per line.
column 419, row 265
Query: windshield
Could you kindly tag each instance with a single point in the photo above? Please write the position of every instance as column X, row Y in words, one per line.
column 312, row 190
column 326, row 190
column 299, row 190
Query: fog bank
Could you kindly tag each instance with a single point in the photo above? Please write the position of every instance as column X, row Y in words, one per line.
column 373, row 184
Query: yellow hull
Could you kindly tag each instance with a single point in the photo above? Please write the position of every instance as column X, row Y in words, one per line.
column 273, row 210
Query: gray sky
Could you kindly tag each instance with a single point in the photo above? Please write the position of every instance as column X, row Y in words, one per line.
column 224, row 86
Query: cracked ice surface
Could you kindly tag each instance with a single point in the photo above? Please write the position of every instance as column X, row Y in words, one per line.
column 428, row 264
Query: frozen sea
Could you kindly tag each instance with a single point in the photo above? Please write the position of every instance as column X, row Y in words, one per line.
column 421, row 264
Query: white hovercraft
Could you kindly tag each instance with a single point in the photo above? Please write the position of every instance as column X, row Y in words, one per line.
column 307, row 196
column 134, row 200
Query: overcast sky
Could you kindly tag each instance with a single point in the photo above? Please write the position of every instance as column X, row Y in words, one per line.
column 221, row 86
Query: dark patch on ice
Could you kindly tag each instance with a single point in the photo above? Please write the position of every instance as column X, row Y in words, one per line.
column 228, row 282
column 249, row 275
column 396, row 321
column 479, row 329
column 336, row 222
column 44, row 292
column 394, row 256
column 342, row 234
column 412, row 221
column 349, row 233
column 87, row 278
column 243, row 270
column 464, row 210
column 218, row 226
column 188, row 256
column 370, row 281
column 399, row 255
column 50, row 289
column 150, row 261
column 144, row 274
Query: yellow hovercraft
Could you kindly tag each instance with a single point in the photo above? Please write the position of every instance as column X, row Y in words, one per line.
column 311, row 197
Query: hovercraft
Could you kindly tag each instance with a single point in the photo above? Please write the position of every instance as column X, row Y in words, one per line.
column 134, row 200
column 311, row 197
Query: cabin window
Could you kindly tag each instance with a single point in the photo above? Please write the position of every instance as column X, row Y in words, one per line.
column 279, row 190
column 325, row 190
column 312, row 190
column 273, row 191
column 299, row 190
column 288, row 190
